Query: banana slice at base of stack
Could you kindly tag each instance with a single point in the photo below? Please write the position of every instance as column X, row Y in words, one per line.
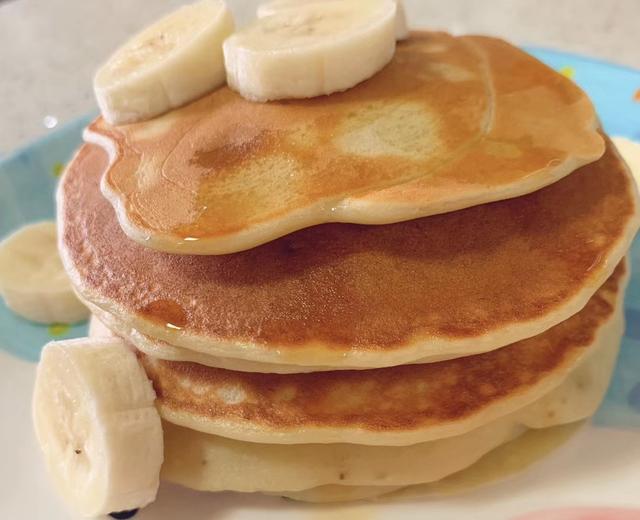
column 172, row 62
column 95, row 420
column 313, row 50
column 33, row 282
column 97, row 329
column 275, row 6
column 630, row 152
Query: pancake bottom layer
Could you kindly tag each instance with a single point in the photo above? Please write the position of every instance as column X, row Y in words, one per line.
column 212, row 463
column 503, row 462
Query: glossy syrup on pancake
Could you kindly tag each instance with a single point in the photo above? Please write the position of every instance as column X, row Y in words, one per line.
column 449, row 123
column 341, row 295
column 398, row 405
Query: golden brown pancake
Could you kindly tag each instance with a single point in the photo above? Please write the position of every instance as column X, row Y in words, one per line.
column 212, row 463
column 449, row 123
column 344, row 295
column 391, row 406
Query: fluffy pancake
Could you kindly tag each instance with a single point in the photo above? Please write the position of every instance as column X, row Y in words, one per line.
column 391, row 406
column 450, row 123
column 104, row 323
column 351, row 296
column 500, row 463
column 212, row 463
column 163, row 350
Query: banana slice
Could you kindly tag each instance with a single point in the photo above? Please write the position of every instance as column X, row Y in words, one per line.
column 97, row 329
column 95, row 420
column 630, row 151
column 176, row 60
column 33, row 282
column 402, row 27
column 312, row 50
column 271, row 8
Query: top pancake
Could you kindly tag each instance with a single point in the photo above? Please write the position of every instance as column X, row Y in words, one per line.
column 345, row 295
column 449, row 123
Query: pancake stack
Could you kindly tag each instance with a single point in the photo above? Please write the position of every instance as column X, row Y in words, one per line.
column 339, row 297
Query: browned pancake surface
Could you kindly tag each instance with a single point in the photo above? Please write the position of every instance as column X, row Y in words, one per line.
column 450, row 123
column 342, row 289
column 399, row 398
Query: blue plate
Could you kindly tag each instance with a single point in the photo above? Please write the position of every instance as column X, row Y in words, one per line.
column 28, row 180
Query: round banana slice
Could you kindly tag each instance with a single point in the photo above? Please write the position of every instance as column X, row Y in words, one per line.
column 97, row 329
column 402, row 27
column 176, row 60
column 95, row 420
column 312, row 50
column 33, row 282
column 630, row 152
column 275, row 6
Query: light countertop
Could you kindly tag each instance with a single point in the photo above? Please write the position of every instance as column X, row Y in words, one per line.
column 50, row 48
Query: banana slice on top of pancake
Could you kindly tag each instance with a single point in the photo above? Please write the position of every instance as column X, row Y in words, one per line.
column 95, row 420
column 630, row 152
column 275, row 6
column 172, row 62
column 315, row 49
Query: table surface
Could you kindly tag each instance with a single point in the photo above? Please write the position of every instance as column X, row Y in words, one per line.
column 49, row 49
